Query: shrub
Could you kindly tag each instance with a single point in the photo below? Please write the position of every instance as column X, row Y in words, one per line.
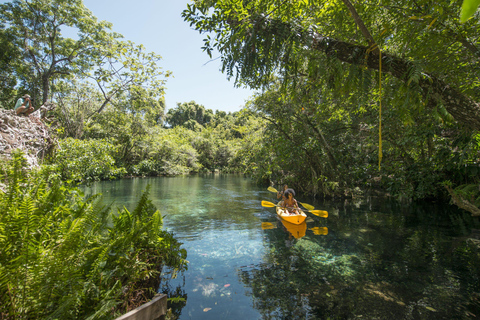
column 86, row 160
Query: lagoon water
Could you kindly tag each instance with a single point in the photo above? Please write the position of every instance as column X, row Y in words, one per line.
column 372, row 258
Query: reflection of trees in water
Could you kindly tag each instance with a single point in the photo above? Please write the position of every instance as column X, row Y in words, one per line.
column 177, row 299
column 375, row 265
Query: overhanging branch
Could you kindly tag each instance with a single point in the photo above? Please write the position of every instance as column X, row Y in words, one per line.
column 461, row 107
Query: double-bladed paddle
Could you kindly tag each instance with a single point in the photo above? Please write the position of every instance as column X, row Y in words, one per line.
column 306, row 205
column 320, row 213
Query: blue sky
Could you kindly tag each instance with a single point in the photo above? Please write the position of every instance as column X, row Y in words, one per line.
column 158, row 25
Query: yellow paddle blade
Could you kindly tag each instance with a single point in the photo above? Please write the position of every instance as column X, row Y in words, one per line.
column 268, row 204
column 320, row 213
column 320, row 231
column 267, row 226
column 307, row 206
column 272, row 189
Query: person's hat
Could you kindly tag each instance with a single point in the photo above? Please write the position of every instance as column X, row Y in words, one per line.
column 26, row 96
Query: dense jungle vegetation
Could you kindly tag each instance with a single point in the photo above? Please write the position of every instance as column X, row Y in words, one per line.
column 352, row 96
column 357, row 94
column 316, row 122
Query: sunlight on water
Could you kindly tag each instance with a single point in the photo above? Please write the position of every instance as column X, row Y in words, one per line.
column 370, row 259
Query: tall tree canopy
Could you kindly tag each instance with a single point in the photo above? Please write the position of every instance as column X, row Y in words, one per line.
column 95, row 52
column 423, row 46
column 37, row 29
column 189, row 114
column 7, row 62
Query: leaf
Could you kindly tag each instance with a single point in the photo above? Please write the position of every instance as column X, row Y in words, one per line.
column 207, row 309
column 469, row 7
column 431, row 23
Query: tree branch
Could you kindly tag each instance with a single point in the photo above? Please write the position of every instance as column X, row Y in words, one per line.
column 463, row 203
column 360, row 24
column 461, row 107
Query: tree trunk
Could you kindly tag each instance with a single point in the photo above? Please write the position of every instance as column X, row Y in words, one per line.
column 463, row 203
column 461, row 107
column 45, row 88
column 324, row 143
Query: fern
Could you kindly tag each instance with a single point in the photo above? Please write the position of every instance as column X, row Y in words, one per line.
column 66, row 257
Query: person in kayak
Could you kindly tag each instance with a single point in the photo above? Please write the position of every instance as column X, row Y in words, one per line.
column 281, row 194
column 289, row 203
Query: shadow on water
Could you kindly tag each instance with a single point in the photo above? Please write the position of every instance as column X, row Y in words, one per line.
column 372, row 258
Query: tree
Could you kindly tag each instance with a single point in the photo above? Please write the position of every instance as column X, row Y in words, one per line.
column 422, row 45
column 186, row 112
column 76, row 101
column 36, row 27
column 338, row 62
column 7, row 62
column 97, row 54
column 146, row 103
column 123, row 67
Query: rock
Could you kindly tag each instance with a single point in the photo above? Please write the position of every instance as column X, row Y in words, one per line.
column 27, row 133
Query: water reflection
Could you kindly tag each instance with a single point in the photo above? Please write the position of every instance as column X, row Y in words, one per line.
column 296, row 230
column 371, row 259
column 320, row 231
column 375, row 264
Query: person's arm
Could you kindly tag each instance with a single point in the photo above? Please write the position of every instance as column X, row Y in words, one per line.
column 30, row 105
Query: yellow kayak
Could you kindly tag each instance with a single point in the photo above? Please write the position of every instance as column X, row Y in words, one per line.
column 292, row 218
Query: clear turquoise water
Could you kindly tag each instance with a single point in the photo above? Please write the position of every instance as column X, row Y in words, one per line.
column 378, row 260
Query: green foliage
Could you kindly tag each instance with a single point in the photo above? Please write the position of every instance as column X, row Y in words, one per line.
column 320, row 143
column 469, row 192
column 86, row 160
column 469, row 7
column 322, row 117
column 190, row 115
column 77, row 101
column 226, row 143
column 262, row 39
column 128, row 126
column 68, row 258
column 36, row 26
column 139, row 84
column 128, row 139
column 166, row 152
column 7, row 64
column 42, row 56
column 145, row 103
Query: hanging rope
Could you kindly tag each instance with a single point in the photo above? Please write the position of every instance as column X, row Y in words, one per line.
column 380, row 154
column 372, row 48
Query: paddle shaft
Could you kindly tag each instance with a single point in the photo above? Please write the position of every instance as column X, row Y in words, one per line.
column 320, row 213
column 306, row 205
